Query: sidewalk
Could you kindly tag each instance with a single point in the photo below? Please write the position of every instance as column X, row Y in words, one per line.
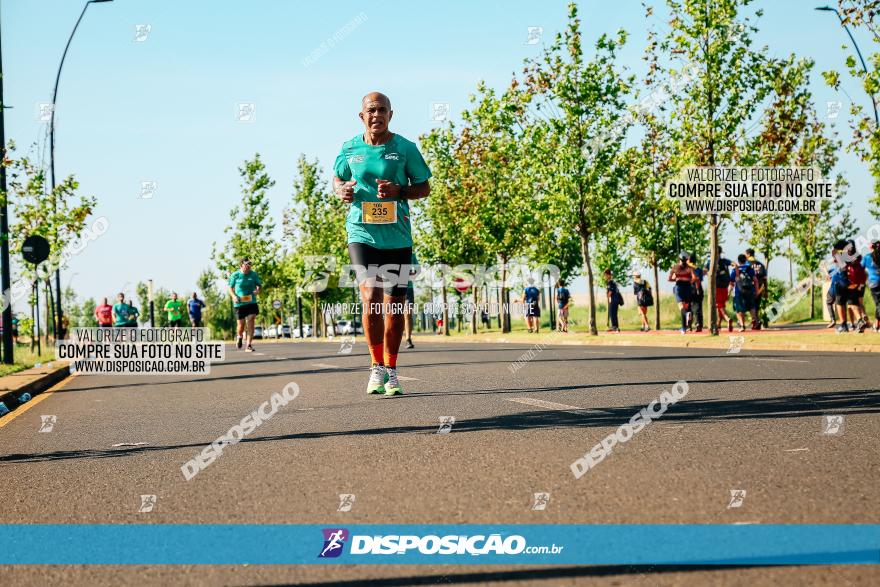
column 793, row 338
column 32, row 381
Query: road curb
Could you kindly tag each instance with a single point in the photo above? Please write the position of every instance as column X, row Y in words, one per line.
column 33, row 382
column 721, row 342
column 705, row 342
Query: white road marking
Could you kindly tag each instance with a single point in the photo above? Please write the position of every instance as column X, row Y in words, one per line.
column 795, row 449
column 544, row 404
column 603, row 353
column 402, row 378
column 326, row 366
column 777, row 360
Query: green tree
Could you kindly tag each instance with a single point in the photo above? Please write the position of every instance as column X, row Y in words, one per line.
column 314, row 225
column 783, row 125
column 79, row 314
column 250, row 232
column 57, row 215
column 484, row 207
column 444, row 222
column 813, row 234
column 218, row 315
column 729, row 84
column 581, row 159
column 865, row 140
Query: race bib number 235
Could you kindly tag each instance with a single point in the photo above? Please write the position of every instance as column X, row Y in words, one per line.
column 379, row 212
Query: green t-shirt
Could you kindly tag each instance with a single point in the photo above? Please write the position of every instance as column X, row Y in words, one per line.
column 244, row 285
column 398, row 161
column 174, row 309
column 125, row 314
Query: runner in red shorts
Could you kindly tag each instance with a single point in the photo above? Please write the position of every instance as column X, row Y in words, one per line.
column 722, row 282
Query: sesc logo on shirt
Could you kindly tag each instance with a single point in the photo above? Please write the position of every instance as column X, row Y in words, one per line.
column 355, row 159
column 393, row 156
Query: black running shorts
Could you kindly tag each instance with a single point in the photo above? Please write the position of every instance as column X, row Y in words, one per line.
column 247, row 310
column 372, row 259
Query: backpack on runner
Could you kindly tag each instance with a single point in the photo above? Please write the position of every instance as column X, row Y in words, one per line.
column 562, row 296
column 856, row 274
column 647, row 296
column 744, row 283
column 722, row 277
column 839, row 282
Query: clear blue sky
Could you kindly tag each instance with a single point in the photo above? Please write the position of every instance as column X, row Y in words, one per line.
column 164, row 109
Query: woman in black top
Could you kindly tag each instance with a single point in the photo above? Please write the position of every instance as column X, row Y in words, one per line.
column 642, row 291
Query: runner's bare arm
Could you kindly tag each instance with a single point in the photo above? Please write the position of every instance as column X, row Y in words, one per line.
column 232, row 293
column 344, row 189
column 388, row 189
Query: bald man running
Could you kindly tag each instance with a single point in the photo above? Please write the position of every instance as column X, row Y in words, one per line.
column 378, row 172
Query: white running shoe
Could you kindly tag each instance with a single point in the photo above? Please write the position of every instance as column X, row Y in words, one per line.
column 392, row 385
column 378, row 377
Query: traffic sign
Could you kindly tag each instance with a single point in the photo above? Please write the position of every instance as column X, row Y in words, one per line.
column 276, row 304
column 35, row 249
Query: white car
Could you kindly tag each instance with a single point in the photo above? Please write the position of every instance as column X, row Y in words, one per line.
column 307, row 331
column 347, row 327
column 270, row 332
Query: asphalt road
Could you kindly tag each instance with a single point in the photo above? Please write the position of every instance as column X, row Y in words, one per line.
column 751, row 421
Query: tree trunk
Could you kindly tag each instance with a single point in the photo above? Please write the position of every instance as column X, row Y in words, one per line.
column 713, row 270
column 49, row 318
column 445, row 307
column 314, row 314
column 505, row 299
column 656, row 294
column 585, row 252
column 474, row 311
column 34, row 310
column 812, row 296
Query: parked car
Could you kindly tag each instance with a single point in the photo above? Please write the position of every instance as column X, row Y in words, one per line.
column 269, row 332
column 307, row 331
column 284, row 330
column 348, row 327
column 258, row 332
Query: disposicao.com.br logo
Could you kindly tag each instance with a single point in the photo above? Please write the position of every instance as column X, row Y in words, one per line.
column 450, row 544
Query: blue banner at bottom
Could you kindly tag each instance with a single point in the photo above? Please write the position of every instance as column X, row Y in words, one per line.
column 549, row 544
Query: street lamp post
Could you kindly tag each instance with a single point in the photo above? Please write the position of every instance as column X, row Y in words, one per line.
column 58, row 311
column 859, row 53
column 5, row 275
column 150, row 298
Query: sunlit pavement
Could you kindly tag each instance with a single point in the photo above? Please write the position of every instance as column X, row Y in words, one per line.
column 753, row 423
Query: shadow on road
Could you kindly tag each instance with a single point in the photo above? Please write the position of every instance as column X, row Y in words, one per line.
column 538, row 574
column 856, row 401
column 152, row 381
